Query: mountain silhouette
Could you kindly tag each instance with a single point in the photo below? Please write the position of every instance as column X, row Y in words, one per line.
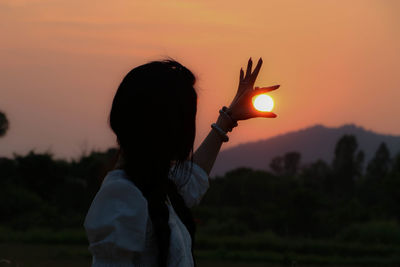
column 316, row 142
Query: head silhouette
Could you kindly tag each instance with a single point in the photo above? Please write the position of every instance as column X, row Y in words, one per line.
column 153, row 116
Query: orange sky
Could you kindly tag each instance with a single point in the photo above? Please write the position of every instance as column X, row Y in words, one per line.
column 62, row 60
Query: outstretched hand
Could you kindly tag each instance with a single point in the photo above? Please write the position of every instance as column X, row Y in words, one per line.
column 242, row 106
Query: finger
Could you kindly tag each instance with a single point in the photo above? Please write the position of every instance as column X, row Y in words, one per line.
column 262, row 90
column 249, row 65
column 241, row 75
column 256, row 70
column 264, row 114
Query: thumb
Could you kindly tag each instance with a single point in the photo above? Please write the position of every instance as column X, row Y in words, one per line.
column 263, row 114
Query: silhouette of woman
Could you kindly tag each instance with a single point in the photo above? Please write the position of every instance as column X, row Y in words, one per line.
column 140, row 216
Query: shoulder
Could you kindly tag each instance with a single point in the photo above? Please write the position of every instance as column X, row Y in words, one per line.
column 117, row 216
column 117, row 201
column 118, row 189
column 117, row 195
column 117, row 186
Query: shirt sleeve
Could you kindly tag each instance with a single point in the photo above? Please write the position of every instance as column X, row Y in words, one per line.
column 116, row 224
column 191, row 181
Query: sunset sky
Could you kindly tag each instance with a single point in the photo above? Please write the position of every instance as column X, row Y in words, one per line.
column 61, row 62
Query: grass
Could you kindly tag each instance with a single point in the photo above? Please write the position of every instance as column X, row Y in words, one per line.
column 46, row 255
column 44, row 247
column 43, row 255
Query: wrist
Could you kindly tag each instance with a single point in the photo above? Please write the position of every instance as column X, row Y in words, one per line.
column 222, row 133
column 225, row 120
column 231, row 113
column 223, row 123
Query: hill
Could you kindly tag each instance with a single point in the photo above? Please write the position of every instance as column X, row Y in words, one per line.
column 316, row 142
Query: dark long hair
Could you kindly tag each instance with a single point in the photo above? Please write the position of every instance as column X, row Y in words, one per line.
column 153, row 116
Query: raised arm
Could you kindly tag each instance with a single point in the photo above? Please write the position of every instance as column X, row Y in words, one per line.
column 207, row 152
column 241, row 109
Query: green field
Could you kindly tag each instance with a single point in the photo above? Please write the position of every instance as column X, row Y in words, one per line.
column 46, row 255
column 42, row 255
column 46, row 247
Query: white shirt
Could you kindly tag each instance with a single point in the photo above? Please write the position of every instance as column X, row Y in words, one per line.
column 119, row 228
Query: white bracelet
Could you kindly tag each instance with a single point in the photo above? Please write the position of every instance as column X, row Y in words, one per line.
column 221, row 132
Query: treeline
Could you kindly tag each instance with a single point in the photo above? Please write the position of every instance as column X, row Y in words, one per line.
column 344, row 198
column 317, row 200
column 37, row 190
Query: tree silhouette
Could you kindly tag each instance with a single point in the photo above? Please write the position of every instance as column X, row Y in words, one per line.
column 347, row 165
column 396, row 165
column 379, row 166
column 291, row 162
column 276, row 165
column 372, row 190
column 316, row 176
column 4, row 124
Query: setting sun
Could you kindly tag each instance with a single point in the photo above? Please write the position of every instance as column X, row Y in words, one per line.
column 263, row 102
